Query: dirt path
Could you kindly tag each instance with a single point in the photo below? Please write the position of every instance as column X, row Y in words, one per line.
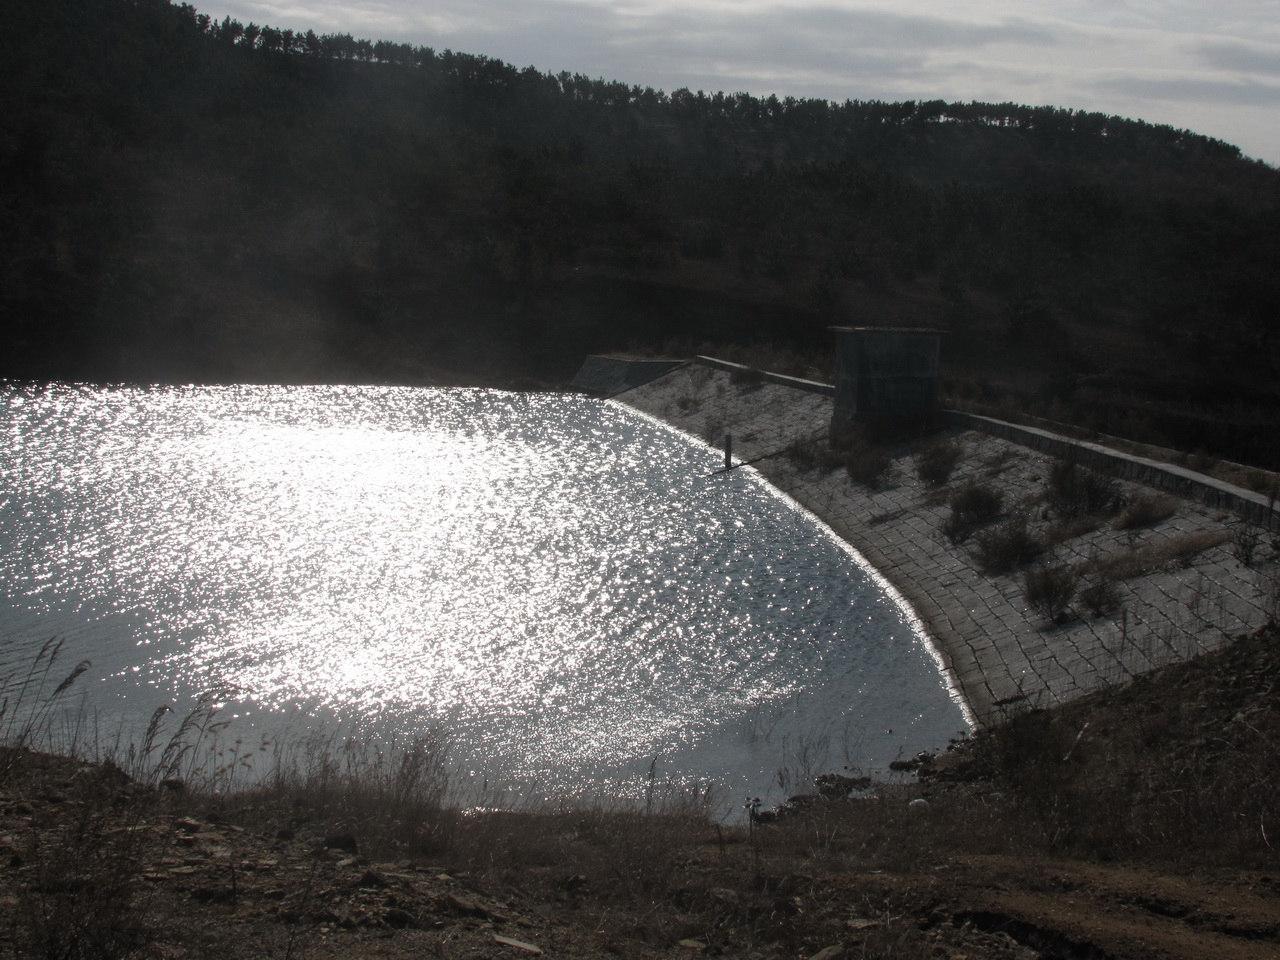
column 1073, row 909
column 89, row 857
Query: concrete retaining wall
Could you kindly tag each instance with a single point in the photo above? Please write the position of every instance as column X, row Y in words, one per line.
column 1250, row 506
column 809, row 386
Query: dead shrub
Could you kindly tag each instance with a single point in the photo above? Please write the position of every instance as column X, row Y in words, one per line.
column 392, row 796
column 1100, row 596
column 973, row 505
column 1269, row 588
column 866, row 463
column 1075, row 491
column 936, row 462
column 1049, row 590
column 812, row 453
column 1245, row 542
column 78, row 894
column 1007, row 547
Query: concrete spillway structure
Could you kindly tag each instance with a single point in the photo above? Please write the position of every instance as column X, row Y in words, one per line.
column 606, row 376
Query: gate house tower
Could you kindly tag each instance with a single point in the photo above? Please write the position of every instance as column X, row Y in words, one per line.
column 886, row 377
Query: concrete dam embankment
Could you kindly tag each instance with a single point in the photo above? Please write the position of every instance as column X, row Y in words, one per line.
column 1176, row 586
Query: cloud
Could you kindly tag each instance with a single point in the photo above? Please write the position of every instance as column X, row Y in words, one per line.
column 885, row 28
column 828, row 51
column 1203, row 90
column 793, row 34
column 1235, row 56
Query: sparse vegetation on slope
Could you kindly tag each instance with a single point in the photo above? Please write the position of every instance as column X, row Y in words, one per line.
column 190, row 199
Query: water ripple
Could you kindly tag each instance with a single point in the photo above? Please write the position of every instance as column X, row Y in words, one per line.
column 558, row 581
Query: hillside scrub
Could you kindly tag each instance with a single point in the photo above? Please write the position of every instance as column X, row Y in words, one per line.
column 210, row 200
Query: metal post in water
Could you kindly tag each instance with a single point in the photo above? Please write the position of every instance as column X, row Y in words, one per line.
column 728, row 451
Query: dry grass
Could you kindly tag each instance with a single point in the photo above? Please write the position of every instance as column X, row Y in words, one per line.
column 882, row 831
column 81, row 896
column 390, row 799
column 1181, row 769
column 80, row 889
column 1146, row 511
column 1171, row 552
column 1063, row 529
column 1001, row 461
column 29, row 701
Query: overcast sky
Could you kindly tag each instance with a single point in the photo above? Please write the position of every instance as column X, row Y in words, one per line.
column 1211, row 66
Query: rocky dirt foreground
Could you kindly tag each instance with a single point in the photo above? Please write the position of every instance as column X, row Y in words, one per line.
column 1135, row 823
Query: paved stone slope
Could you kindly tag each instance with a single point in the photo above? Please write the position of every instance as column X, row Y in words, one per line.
column 1003, row 656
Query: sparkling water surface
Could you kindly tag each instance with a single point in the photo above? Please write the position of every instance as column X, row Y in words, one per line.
column 567, row 589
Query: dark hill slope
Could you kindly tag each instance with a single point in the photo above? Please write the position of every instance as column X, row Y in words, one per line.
column 199, row 201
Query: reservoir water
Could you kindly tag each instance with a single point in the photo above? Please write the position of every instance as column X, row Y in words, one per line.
column 566, row 589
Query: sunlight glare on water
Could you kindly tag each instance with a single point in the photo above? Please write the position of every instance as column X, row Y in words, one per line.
column 563, row 585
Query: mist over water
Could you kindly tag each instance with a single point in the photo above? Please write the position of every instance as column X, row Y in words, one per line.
column 566, row 588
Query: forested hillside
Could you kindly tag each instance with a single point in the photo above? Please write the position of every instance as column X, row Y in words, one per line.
column 192, row 200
